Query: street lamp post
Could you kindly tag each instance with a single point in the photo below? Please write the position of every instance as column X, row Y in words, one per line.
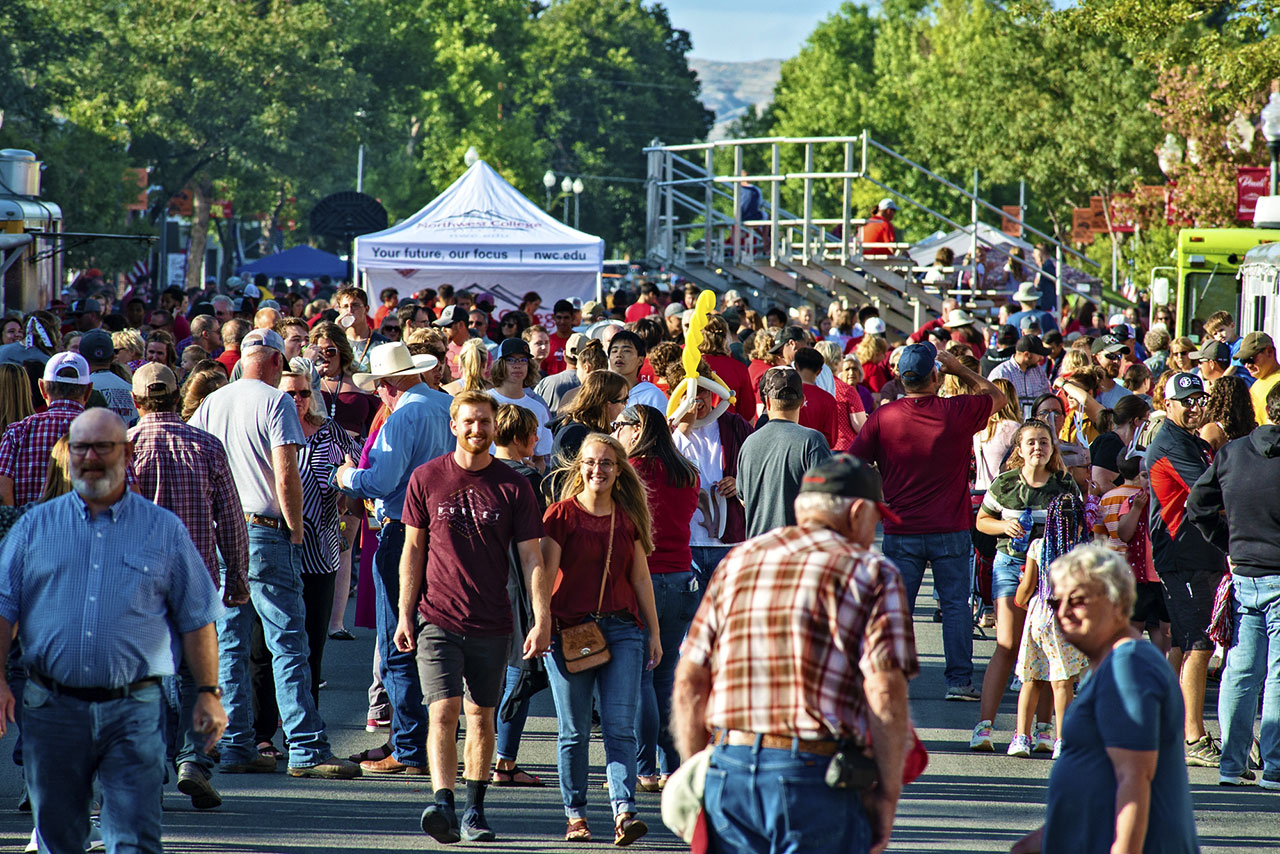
column 578, row 187
column 566, row 187
column 1271, row 132
column 549, row 181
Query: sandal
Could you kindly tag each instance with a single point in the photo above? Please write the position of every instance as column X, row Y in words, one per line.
column 373, row 754
column 266, row 748
column 516, row 776
column 648, row 784
column 577, row 831
column 628, row 829
column 341, row 634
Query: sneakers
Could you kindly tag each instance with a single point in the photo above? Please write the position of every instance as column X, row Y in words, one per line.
column 376, row 724
column 963, row 692
column 1272, row 785
column 981, row 739
column 1203, row 752
column 474, row 828
column 1245, row 779
column 1020, row 746
column 1057, row 748
column 259, row 764
column 1043, row 737
column 440, row 822
column 332, row 768
column 193, row 781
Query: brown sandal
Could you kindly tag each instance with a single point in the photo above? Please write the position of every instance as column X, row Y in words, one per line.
column 628, row 829
column 577, row 831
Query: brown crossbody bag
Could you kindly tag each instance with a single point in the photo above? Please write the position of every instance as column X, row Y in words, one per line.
column 583, row 646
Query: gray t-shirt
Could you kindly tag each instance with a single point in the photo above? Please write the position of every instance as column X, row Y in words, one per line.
column 18, row 353
column 771, row 464
column 553, row 388
column 1109, row 399
column 118, row 394
column 251, row 418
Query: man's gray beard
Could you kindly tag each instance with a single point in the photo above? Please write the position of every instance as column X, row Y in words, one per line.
column 100, row 489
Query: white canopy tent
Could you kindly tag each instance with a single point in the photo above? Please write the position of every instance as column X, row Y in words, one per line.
column 960, row 242
column 481, row 234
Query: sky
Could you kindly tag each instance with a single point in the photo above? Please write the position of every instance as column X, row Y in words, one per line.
column 741, row 30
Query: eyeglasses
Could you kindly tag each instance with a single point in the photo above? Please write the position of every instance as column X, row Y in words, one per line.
column 1248, row 361
column 101, row 449
column 1072, row 602
column 515, row 360
column 599, row 465
column 616, row 424
column 1115, row 357
column 390, row 327
column 303, row 393
column 328, row 352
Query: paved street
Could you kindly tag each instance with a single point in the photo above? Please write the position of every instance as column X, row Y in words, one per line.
column 964, row 802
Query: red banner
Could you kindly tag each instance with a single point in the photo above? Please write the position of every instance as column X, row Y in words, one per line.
column 1251, row 182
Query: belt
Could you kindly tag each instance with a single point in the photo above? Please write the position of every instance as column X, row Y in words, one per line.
column 93, row 695
column 739, row 738
column 266, row 521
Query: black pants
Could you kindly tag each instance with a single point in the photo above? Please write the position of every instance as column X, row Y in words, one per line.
column 317, row 602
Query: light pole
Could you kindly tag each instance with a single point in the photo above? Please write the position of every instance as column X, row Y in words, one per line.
column 1271, row 132
column 578, row 187
column 566, row 187
column 549, row 181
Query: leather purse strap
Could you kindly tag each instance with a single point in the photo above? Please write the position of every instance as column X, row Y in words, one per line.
column 608, row 559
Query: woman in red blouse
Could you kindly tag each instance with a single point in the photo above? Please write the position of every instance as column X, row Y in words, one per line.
column 599, row 538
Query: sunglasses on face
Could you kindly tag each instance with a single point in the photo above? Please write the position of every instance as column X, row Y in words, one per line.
column 616, row 424
column 1072, row 602
column 391, row 327
column 303, row 393
column 328, row 352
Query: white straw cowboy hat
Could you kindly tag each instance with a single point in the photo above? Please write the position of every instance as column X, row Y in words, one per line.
column 959, row 317
column 392, row 360
column 1027, row 292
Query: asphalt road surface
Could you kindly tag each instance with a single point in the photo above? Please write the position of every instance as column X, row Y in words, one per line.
column 965, row 802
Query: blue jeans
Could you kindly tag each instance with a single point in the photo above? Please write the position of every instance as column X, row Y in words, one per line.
column 950, row 555
column 776, row 802
column 68, row 741
column 509, row 732
column 705, row 561
column 189, row 745
column 1253, row 664
column 399, row 669
column 1006, row 572
column 619, row 683
column 676, row 604
column 275, row 591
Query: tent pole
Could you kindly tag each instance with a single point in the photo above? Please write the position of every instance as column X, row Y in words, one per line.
column 600, row 288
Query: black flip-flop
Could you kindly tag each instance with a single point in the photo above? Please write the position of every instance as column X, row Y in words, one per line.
column 510, row 775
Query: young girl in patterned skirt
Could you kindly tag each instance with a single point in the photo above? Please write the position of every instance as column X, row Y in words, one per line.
column 1045, row 655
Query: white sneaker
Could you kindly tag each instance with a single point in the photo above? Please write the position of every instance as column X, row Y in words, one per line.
column 1057, row 748
column 1020, row 746
column 1043, row 735
column 981, row 739
column 32, row 846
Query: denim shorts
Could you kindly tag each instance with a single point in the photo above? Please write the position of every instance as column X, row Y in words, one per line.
column 1005, row 573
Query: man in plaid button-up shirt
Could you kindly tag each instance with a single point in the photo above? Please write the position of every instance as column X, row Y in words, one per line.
column 27, row 444
column 803, row 639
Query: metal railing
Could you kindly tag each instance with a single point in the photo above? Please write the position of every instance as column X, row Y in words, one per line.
column 676, row 210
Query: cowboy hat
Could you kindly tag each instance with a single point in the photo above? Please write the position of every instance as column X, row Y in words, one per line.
column 1027, row 292
column 392, row 360
column 958, row 317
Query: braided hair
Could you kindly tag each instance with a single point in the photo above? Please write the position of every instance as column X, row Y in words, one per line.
column 1065, row 527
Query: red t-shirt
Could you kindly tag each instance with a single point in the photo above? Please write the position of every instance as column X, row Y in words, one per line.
column 819, row 413
column 848, row 401
column 471, row 519
column 737, row 377
column 922, row 446
column 672, row 508
column 756, row 370
column 878, row 230
column 646, row 374
column 229, row 359
column 555, row 363
column 637, row 310
column 876, row 374
column 583, row 540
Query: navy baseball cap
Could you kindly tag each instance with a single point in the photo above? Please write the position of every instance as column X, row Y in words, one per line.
column 917, row 362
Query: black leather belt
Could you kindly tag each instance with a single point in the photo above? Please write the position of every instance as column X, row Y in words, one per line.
column 93, row 695
column 266, row 521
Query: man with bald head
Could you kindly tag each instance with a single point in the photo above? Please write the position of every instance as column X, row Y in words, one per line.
column 103, row 585
column 266, row 318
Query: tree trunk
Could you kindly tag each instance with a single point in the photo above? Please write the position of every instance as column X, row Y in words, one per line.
column 200, row 193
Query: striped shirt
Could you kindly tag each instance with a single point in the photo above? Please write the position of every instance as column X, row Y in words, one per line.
column 185, row 470
column 27, row 444
column 321, row 535
column 1028, row 384
column 790, row 625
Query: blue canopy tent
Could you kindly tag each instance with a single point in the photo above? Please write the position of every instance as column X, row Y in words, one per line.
column 300, row 262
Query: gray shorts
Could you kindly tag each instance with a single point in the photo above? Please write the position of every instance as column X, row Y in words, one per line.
column 449, row 662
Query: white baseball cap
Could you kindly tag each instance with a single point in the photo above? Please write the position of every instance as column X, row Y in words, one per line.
column 60, row 362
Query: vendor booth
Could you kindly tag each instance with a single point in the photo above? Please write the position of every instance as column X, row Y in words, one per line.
column 481, row 234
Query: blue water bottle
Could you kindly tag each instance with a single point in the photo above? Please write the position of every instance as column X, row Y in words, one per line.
column 1027, row 520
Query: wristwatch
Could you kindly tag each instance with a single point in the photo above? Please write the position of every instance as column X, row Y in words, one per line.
column 210, row 689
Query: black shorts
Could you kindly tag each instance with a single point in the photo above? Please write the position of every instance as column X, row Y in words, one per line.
column 448, row 662
column 1149, row 608
column 1189, row 598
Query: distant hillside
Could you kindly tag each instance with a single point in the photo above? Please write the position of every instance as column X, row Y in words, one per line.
column 730, row 88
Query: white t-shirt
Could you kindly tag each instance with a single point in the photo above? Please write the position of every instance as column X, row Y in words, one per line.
column 701, row 446
column 539, row 409
column 119, row 395
column 648, row 394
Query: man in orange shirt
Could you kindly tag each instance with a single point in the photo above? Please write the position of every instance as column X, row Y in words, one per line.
column 879, row 229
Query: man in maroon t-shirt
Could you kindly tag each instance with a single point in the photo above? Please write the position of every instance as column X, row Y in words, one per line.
column 562, row 315
column 819, row 411
column 646, row 305
column 454, row 607
column 921, row 443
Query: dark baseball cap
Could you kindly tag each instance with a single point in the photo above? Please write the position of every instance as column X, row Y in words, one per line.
column 1253, row 344
column 87, row 306
column 513, row 347
column 782, row 383
column 785, row 334
column 848, row 477
column 1181, row 386
column 96, row 347
column 452, row 314
column 918, row 362
column 1210, row 351
column 1108, row 344
column 1032, row 344
column 1007, row 335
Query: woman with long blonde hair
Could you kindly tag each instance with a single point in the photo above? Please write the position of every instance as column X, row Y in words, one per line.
column 15, row 394
column 473, row 364
column 598, row 538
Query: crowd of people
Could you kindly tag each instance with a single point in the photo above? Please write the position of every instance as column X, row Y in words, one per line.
column 664, row 509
